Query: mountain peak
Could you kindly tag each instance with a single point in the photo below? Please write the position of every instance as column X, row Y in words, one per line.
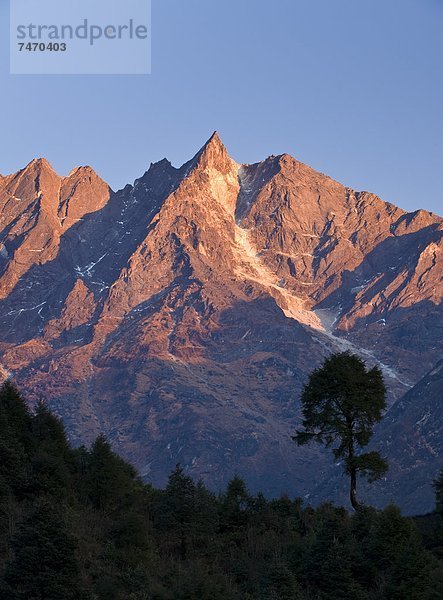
column 164, row 162
column 39, row 165
column 84, row 172
column 214, row 145
column 214, row 155
column 215, row 140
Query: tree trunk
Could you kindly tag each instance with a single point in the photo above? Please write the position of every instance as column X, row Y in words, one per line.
column 353, row 490
column 352, row 470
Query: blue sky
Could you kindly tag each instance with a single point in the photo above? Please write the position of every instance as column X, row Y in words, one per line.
column 352, row 87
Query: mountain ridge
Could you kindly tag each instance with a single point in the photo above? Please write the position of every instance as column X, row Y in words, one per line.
column 208, row 292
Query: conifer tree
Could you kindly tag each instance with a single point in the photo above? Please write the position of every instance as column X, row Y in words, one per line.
column 178, row 509
column 341, row 403
column 50, row 432
column 53, row 459
column 45, row 564
column 236, row 501
column 13, row 460
column 110, row 478
column 17, row 415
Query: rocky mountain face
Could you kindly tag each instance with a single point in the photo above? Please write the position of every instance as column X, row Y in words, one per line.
column 182, row 315
column 412, row 438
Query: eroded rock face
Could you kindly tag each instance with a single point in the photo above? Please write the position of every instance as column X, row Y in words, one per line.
column 37, row 207
column 375, row 268
column 182, row 315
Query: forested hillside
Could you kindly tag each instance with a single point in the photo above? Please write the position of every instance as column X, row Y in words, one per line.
column 80, row 524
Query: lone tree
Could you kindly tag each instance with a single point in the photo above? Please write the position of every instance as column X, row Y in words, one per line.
column 341, row 403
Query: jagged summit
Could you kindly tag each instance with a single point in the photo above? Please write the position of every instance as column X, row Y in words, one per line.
column 214, row 142
column 40, row 163
column 157, row 168
column 42, row 167
column 83, row 170
column 39, row 168
column 214, row 155
column 163, row 163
